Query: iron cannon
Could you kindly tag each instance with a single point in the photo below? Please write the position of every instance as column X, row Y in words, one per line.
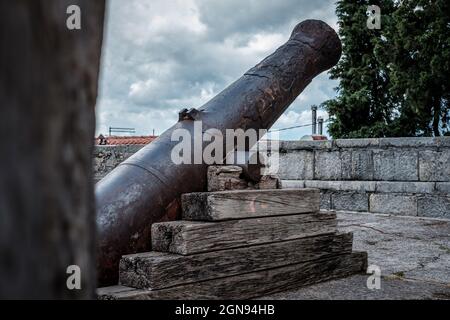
column 146, row 188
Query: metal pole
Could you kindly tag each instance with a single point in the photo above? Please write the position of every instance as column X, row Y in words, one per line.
column 320, row 125
column 314, row 119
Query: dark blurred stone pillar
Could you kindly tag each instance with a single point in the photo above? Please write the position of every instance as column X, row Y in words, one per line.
column 48, row 90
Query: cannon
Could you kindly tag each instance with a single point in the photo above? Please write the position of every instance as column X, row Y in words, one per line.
column 146, row 188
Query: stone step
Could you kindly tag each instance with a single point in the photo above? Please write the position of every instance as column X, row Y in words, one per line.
column 189, row 237
column 253, row 284
column 157, row 270
column 241, row 204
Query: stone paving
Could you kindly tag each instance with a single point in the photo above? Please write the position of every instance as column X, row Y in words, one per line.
column 413, row 254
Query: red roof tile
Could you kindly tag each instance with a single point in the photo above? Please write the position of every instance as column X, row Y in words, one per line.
column 125, row 140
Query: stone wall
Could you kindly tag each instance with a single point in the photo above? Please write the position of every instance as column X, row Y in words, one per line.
column 107, row 158
column 404, row 176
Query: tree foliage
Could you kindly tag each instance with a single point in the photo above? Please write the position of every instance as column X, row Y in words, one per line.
column 394, row 81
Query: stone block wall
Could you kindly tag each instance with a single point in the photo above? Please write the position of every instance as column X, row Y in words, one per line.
column 108, row 157
column 402, row 176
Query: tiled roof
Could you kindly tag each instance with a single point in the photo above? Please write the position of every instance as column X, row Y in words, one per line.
column 319, row 137
column 125, row 140
column 314, row 137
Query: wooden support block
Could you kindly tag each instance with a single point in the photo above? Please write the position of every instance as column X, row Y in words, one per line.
column 222, row 178
column 240, row 204
column 254, row 284
column 157, row 270
column 269, row 182
column 189, row 237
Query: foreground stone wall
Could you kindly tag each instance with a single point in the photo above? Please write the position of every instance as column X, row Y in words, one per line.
column 404, row 176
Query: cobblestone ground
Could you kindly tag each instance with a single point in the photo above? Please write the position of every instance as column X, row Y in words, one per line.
column 412, row 253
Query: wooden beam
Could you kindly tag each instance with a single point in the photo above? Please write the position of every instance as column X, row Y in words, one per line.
column 240, row 204
column 254, row 284
column 157, row 270
column 189, row 237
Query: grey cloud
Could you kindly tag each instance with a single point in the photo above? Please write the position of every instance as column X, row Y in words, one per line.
column 225, row 18
column 161, row 56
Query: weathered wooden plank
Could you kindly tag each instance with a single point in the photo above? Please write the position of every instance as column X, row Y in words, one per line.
column 156, row 270
column 254, row 284
column 107, row 293
column 239, row 204
column 189, row 237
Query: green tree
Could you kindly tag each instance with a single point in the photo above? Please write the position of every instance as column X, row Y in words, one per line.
column 417, row 58
column 393, row 80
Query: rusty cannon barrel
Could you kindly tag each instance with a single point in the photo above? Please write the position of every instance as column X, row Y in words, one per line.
column 146, row 188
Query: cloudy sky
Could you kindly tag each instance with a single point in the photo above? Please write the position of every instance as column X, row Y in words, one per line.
column 160, row 56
